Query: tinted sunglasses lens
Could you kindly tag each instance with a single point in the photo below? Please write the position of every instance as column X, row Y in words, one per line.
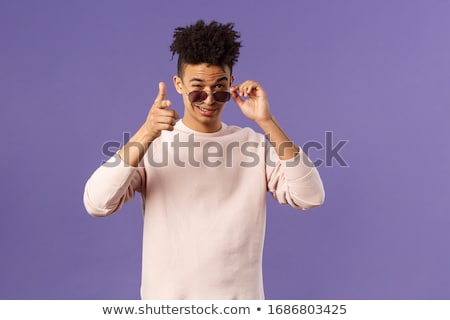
column 222, row 96
column 197, row 96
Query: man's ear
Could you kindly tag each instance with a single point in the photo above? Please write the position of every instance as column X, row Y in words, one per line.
column 231, row 81
column 178, row 84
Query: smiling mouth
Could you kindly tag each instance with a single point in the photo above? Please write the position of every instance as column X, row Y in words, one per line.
column 206, row 111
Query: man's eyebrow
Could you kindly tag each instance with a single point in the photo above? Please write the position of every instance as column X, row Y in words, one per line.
column 196, row 80
column 201, row 80
column 222, row 79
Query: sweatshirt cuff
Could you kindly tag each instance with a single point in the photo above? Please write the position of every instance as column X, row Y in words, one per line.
column 298, row 167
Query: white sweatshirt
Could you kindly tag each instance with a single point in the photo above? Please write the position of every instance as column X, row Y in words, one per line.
column 204, row 207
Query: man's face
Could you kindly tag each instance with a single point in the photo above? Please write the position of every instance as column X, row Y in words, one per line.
column 204, row 116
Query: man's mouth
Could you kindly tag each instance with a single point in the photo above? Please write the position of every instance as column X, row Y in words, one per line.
column 206, row 111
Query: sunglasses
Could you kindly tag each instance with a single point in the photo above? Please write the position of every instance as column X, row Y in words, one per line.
column 199, row 96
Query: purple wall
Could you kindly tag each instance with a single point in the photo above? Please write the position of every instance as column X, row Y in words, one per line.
column 76, row 74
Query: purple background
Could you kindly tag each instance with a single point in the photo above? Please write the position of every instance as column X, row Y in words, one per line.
column 76, row 74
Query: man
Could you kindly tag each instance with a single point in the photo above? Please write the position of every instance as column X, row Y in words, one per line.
column 204, row 183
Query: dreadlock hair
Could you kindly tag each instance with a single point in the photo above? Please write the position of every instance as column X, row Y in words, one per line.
column 214, row 43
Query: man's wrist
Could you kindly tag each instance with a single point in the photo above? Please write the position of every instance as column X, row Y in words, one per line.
column 145, row 135
column 266, row 124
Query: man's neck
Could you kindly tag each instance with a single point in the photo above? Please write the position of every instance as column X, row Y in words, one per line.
column 203, row 127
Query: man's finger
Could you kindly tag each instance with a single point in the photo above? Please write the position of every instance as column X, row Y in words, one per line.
column 162, row 92
column 164, row 104
column 239, row 101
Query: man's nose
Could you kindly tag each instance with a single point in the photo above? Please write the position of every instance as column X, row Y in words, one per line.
column 210, row 98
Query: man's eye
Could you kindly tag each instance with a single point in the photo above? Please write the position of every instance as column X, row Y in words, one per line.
column 219, row 86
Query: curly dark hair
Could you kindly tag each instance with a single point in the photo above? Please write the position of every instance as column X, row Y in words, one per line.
column 214, row 43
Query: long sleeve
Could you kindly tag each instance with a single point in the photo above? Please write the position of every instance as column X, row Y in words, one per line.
column 295, row 182
column 111, row 185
